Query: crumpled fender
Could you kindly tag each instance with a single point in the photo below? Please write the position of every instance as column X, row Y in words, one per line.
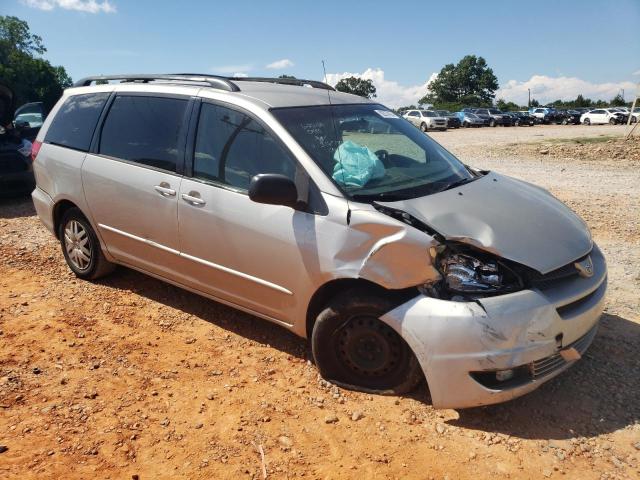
column 385, row 251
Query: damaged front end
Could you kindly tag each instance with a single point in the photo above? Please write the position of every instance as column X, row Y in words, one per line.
column 487, row 329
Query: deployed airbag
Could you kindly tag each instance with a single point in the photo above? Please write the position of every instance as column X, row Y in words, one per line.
column 356, row 165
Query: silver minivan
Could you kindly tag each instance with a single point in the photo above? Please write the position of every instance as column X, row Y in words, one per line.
column 328, row 214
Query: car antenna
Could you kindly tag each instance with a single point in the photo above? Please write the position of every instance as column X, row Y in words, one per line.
column 335, row 129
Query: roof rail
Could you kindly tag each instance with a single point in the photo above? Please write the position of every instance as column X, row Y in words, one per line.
column 285, row 81
column 222, row 83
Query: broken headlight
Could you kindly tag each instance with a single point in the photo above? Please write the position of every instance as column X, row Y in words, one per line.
column 470, row 273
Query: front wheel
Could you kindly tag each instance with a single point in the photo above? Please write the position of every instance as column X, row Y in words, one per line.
column 423, row 127
column 466, row 125
column 612, row 121
column 81, row 248
column 492, row 123
column 354, row 349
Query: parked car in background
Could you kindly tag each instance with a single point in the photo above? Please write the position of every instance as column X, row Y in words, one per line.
column 452, row 120
column 522, row 119
column 426, row 120
column 468, row 119
column 568, row 117
column 544, row 115
column 30, row 118
column 602, row 116
column 16, row 170
column 635, row 115
column 495, row 116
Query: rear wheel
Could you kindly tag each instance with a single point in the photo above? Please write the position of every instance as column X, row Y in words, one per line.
column 466, row 125
column 423, row 127
column 492, row 123
column 353, row 348
column 81, row 248
column 587, row 121
column 565, row 121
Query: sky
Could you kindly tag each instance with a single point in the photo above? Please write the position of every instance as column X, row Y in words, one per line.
column 558, row 49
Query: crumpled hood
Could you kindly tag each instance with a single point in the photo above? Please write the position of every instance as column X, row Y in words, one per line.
column 510, row 218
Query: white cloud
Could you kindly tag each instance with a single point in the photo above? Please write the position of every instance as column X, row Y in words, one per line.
column 88, row 6
column 547, row 89
column 280, row 64
column 240, row 75
column 637, row 72
column 389, row 92
column 235, row 70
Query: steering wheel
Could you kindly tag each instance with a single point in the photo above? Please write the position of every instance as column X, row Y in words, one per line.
column 383, row 155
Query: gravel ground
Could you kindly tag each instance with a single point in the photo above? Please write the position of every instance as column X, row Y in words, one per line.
column 132, row 378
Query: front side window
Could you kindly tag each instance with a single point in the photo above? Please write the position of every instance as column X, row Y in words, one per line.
column 76, row 120
column 371, row 153
column 414, row 114
column 144, row 130
column 231, row 148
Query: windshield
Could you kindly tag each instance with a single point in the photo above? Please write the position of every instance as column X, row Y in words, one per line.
column 371, row 153
column 428, row 113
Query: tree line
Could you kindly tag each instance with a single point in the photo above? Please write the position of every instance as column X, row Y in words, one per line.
column 31, row 77
column 469, row 83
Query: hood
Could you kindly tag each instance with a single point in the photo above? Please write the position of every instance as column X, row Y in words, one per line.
column 7, row 104
column 510, row 218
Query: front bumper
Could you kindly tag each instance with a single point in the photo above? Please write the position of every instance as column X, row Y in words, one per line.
column 529, row 330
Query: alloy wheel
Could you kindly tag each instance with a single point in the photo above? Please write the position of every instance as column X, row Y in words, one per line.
column 77, row 244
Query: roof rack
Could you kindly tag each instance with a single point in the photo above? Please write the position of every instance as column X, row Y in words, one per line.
column 285, row 81
column 215, row 81
column 222, row 83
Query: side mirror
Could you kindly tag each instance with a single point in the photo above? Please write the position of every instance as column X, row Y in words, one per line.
column 273, row 189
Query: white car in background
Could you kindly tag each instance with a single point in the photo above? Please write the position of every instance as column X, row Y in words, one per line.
column 602, row 116
column 426, row 120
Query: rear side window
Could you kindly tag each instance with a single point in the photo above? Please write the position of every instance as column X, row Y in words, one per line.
column 145, row 130
column 231, row 148
column 76, row 120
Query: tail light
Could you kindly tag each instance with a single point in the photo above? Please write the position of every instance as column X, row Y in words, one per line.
column 35, row 148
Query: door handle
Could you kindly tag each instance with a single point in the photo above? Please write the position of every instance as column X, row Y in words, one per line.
column 164, row 190
column 193, row 199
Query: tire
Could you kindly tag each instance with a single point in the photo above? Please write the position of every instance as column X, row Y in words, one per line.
column 81, row 247
column 492, row 123
column 423, row 127
column 587, row 122
column 517, row 124
column 565, row 121
column 352, row 348
column 466, row 125
column 634, row 119
column 612, row 121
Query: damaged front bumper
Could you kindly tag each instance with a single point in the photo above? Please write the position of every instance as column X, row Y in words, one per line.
column 529, row 336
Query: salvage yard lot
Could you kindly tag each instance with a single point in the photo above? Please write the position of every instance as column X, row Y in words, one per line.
column 130, row 376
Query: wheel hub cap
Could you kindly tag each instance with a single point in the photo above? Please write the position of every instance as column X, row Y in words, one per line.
column 77, row 245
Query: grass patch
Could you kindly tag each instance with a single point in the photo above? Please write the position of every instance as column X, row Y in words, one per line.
column 583, row 140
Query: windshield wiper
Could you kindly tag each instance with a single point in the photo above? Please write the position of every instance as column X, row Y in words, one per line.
column 383, row 196
column 458, row 183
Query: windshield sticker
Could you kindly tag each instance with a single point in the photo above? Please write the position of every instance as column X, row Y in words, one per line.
column 386, row 114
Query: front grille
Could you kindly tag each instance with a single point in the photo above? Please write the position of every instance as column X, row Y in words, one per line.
column 546, row 366
column 551, row 279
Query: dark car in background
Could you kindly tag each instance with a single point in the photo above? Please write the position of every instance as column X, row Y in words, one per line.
column 522, row 119
column 452, row 120
column 469, row 119
column 17, row 129
column 568, row 117
column 495, row 116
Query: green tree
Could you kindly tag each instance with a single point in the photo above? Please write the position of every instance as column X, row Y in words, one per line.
column 534, row 103
column 30, row 77
column 617, row 101
column 286, row 76
column 469, row 82
column 582, row 102
column 507, row 106
column 357, row 86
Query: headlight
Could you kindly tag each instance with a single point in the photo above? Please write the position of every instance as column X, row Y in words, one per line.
column 470, row 273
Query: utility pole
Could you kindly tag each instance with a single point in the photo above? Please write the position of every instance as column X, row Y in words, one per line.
column 529, row 104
